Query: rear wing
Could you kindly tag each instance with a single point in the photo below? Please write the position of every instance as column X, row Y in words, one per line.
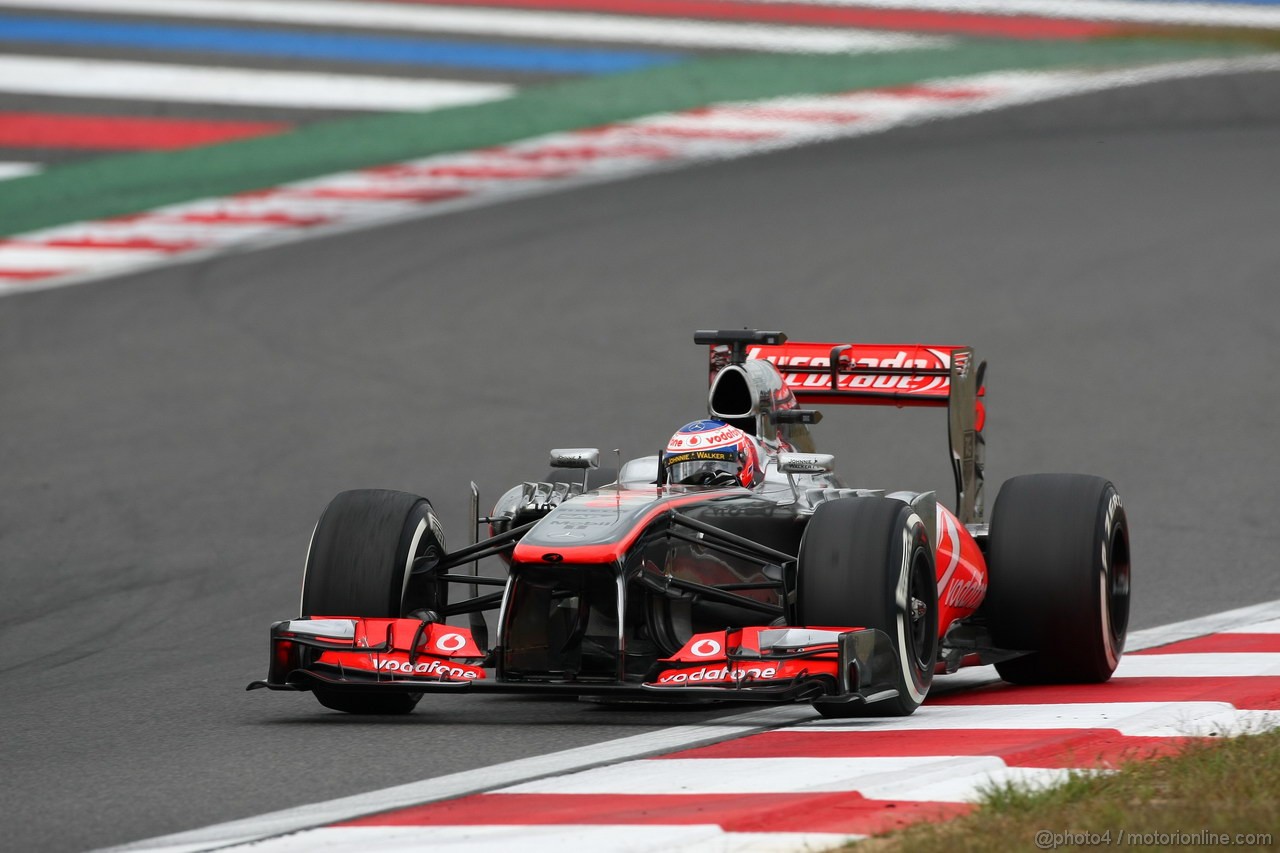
column 901, row 375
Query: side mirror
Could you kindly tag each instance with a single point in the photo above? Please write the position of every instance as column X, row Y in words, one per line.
column 583, row 458
column 806, row 463
column 797, row 416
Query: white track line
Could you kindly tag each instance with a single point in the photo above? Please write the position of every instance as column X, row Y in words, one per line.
column 1256, row 618
column 541, row 838
column 16, row 257
column 1199, row 665
column 1139, row 11
column 1137, row 719
column 935, row 778
column 1271, row 627
column 101, row 78
column 10, row 169
column 513, row 23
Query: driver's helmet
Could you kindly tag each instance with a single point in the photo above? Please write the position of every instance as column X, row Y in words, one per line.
column 712, row 453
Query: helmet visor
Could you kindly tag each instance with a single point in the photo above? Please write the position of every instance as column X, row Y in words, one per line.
column 695, row 466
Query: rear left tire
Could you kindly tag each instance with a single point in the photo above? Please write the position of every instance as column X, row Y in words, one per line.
column 1060, row 577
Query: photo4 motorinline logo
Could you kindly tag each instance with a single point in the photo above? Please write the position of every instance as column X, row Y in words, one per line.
column 1049, row 840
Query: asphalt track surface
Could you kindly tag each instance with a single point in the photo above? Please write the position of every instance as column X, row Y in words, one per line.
column 170, row 437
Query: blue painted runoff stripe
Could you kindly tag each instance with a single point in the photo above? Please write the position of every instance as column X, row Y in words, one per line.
column 387, row 50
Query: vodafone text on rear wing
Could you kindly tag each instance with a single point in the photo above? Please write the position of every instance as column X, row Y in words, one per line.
column 875, row 374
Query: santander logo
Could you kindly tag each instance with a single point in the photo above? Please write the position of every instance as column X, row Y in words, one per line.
column 902, row 360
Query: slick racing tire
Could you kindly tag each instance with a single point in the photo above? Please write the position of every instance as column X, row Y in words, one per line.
column 866, row 562
column 360, row 563
column 1059, row 586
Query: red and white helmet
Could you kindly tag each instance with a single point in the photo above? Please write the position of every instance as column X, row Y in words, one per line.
column 712, row 453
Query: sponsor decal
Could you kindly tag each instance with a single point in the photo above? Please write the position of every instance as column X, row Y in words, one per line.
column 723, row 435
column 450, row 642
column 847, row 382
column 701, row 426
column 965, row 594
column 702, row 456
column 440, row 669
column 719, row 673
column 705, row 649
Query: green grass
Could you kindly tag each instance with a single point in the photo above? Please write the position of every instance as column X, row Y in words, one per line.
column 1221, row 787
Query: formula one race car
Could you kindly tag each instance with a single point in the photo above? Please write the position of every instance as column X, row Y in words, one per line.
column 734, row 566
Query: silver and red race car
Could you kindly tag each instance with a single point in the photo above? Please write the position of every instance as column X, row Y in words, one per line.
column 798, row 588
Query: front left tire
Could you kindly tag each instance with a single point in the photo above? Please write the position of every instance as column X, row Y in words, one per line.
column 866, row 562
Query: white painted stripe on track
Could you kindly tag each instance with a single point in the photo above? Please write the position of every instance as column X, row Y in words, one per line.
column 540, row 838
column 11, row 169
column 1244, row 620
column 296, row 206
column 1145, row 719
column 157, row 228
column 1142, row 719
column 1139, row 11
column 475, row 781
column 15, row 256
column 1199, row 665
column 103, row 78
column 1270, row 627
column 934, row 778
column 515, row 23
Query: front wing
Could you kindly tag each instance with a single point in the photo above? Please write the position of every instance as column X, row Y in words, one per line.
column 776, row 664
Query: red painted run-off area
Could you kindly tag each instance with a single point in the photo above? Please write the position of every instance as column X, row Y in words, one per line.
column 995, row 26
column 121, row 133
column 841, row 812
column 1048, row 748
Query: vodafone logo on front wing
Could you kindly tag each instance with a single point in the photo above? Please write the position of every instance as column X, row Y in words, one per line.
column 705, row 649
column 450, row 642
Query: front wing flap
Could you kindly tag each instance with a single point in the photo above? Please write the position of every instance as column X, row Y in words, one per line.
column 343, row 652
column 836, row 665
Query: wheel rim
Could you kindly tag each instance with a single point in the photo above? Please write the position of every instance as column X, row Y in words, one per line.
column 920, row 615
column 1118, row 586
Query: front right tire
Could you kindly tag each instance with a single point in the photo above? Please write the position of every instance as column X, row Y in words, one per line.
column 360, row 564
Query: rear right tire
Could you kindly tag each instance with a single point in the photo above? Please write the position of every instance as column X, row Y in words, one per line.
column 1059, row 583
